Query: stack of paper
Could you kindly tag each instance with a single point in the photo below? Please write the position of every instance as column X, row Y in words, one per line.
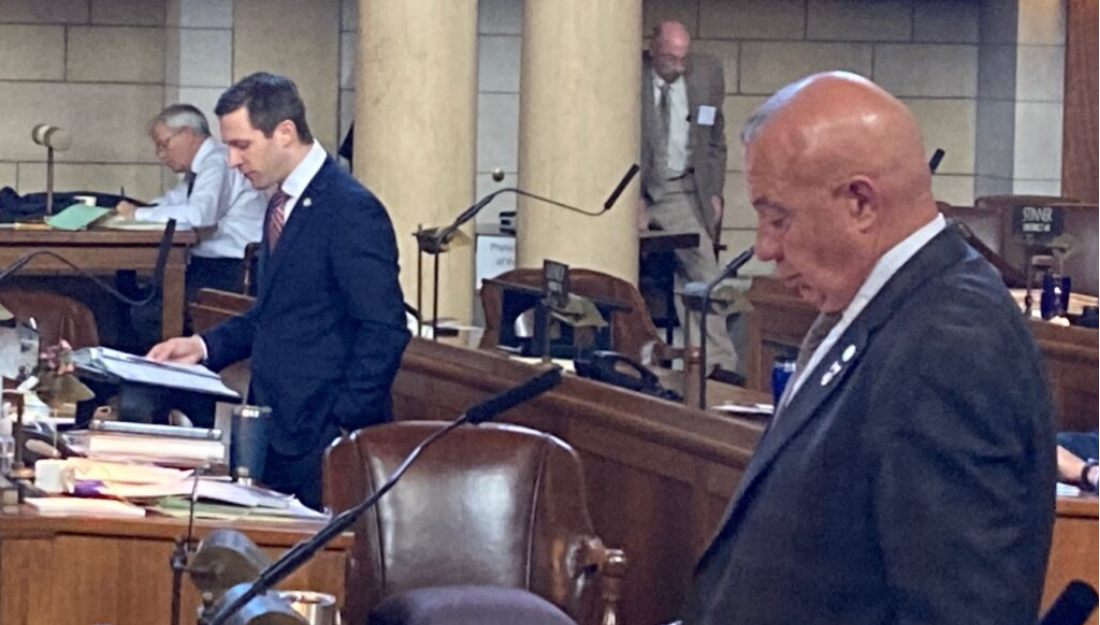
column 168, row 450
column 70, row 506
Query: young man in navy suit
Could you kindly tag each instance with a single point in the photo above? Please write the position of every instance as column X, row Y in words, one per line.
column 327, row 331
column 907, row 475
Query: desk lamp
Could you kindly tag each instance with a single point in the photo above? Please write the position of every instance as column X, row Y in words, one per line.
column 55, row 140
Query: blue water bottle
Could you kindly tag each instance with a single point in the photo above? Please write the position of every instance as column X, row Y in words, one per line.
column 781, row 373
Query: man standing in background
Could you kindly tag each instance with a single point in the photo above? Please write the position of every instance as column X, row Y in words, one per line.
column 684, row 162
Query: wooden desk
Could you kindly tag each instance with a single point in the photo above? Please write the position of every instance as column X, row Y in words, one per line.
column 104, row 252
column 780, row 319
column 80, row 571
column 658, row 474
column 1073, row 551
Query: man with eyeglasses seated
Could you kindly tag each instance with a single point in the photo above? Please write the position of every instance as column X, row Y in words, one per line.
column 212, row 198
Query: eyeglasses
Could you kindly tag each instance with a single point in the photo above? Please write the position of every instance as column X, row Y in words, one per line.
column 162, row 144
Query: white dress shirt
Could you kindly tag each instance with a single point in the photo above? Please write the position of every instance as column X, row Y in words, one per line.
column 679, row 127
column 220, row 198
column 296, row 183
column 888, row 264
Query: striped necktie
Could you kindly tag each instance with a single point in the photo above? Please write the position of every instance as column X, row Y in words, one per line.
column 276, row 217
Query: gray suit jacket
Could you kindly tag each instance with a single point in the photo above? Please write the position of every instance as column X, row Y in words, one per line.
column 914, row 486
column 706, row 86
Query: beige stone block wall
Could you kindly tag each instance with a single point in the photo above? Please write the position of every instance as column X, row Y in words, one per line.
column 128, row 12
column 107, row 121
column 769, row 65
column 8, row 175
column 143, row 181
column 300, row 39
column 115, row 54
column 43, row 12
column 30, row 52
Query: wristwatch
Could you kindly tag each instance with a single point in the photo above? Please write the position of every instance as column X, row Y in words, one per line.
column 1083, row 482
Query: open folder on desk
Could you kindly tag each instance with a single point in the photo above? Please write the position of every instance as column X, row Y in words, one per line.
column 76, row 217
column 132, row 368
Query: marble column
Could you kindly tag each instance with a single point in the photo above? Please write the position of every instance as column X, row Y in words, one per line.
column 579, row 112
column 415, row 139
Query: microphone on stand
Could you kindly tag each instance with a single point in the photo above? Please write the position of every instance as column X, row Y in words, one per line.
column 434, row 240
column 163, row 249
column 729, row 270
column 299, row 554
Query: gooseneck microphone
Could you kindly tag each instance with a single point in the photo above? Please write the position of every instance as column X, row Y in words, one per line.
column 299, row 554
column 490, row 408
column 728, row 271
column 163, row 249
column 433, row 239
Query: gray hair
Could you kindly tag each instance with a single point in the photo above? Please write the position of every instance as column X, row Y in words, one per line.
column 180, row 116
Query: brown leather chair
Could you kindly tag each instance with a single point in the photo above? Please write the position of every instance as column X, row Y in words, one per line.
column 58, row 317
column 633, row 333
column 497, row 506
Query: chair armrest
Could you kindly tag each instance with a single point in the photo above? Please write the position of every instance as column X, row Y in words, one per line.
column 594, row 557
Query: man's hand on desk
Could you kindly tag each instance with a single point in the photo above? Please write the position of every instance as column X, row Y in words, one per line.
column 125, row 210
column 188, row 350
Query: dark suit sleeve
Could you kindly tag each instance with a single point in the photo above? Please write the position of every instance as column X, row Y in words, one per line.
column 364, row 262
column 963, row 487
column 230, row 341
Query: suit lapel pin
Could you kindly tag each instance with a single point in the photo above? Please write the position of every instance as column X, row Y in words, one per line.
column 834, row 369
column 849, row 352
column 307, row 202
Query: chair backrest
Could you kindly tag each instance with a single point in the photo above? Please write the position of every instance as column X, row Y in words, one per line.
column 57, row 316
column 496, row 505
column 633, row 332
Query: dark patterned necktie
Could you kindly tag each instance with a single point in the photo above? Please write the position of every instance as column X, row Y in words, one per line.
column 276, row 217
column 820, row 329
column 190, row 183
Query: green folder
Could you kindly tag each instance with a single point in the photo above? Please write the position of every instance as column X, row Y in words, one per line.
column 76, row 217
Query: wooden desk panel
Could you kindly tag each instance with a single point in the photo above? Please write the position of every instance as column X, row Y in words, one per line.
column 780, row 319
column 104, row 252
column 79, row 571
column 1073, row 551
column 659, row 475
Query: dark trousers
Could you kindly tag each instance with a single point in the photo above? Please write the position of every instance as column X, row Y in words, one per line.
column 299, row 475
column 223, row 274
column 202, row 273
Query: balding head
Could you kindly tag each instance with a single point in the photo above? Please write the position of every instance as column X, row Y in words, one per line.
column 836, row 171
column 668, row 49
